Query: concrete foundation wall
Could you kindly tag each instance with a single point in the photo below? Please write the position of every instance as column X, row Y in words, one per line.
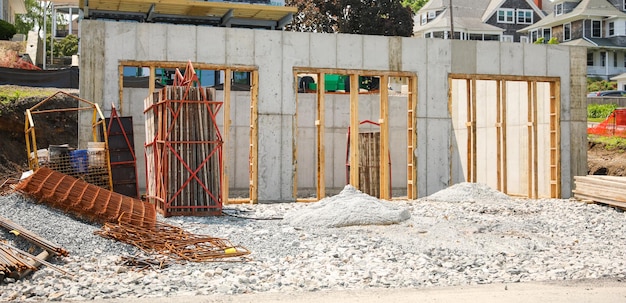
column 275, row 53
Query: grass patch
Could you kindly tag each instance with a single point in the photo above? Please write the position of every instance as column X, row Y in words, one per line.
column 610, row 143
column 12, row 93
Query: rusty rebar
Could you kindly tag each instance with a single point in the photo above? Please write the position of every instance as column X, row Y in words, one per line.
column 18, row 230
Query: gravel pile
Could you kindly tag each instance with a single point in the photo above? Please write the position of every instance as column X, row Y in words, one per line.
column 478, row 240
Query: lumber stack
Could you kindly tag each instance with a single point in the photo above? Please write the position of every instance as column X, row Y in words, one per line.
column 610, row 190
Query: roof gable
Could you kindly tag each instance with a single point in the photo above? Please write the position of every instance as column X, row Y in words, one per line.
column 584, row 10
column 495, row 5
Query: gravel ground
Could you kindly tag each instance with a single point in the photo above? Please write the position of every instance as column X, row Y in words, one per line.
column 464, row 235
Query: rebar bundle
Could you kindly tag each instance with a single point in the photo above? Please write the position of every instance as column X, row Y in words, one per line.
column 172, row 241
column 85, row 200
column 184, row 166
column 32, row 237
column 14, row 262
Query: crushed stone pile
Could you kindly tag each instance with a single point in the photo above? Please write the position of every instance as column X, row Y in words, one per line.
column 468, row 192
column 350, row 207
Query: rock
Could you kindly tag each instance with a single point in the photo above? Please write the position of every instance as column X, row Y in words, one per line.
column 56, row 296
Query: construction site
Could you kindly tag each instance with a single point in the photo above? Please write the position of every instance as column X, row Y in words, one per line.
column 311, row 163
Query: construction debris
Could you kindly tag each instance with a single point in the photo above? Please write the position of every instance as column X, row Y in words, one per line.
column 142, row 263
column 609, row 190
column 85, row 200
column 171, row 241
column 20, row 231
column 16, row 263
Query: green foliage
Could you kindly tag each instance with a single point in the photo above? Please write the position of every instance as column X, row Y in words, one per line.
column 553, row 40
column 594, row 85
column 415, row 5
column 366, row 17
column 68, row 46
column 11, row 93
column 540, row 40
column 33, row 17
column 610, row 143
column 7, row 30
column 600, row 110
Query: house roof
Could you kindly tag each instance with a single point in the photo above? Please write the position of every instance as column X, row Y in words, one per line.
column 18, row 6
column 619, row 77
column 189, row 11
column 604, row 43
column 496, row 4
column 586, row 9
column 467, row 17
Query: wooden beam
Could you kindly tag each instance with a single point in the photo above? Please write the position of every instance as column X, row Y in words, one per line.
column 473, row 128
column 226, row 135
column 343, row 71
column 120, row 82
column 504, row 99
column 412, row 139
column 320, row 123
column 254, row 137
column 555, row 139
column 499, row 143
column 385, row 192
column 182, row 64
column 504, row 77
column 535, row 142
column 294, row 147
column 354, row 130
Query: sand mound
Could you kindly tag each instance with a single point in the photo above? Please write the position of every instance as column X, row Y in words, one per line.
column 468, row 192
column 349, row 207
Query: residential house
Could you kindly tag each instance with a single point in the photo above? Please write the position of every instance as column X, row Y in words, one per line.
column 498, row 20
column 599, row 25
column 9, row 8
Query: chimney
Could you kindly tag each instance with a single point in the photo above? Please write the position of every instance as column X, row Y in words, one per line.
column 539, row 3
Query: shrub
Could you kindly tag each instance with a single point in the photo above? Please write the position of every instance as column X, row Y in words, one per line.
column 7, row 30
column 600, row 110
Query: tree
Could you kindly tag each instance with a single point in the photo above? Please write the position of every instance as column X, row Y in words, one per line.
column 366, row 17
column 33, row 17
column 415, row 5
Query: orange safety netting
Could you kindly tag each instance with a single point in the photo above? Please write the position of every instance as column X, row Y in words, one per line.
column 613, row 125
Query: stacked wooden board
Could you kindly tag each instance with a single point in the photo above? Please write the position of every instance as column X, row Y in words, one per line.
column 610, row 190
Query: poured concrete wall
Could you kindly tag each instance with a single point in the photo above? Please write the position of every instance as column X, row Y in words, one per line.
column 275, row 53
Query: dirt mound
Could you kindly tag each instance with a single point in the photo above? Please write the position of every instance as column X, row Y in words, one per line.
column 603, row 161
column 51, row 128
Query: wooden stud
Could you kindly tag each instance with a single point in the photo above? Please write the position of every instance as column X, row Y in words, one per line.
column 535, row 142
column 354, row 130
column 504, row 139
column 321, row 152
column 226, row 135
column 120, row 83
column 385, row 192
column 360, row 72
column 412, row 139
column 294, row 147
column 254, row 136
column 473, row 133
column 499, row 142
column 555, row 140
column 529, row 134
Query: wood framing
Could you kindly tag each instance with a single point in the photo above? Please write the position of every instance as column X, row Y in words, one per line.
column 532, row 130
column 354, row 130
column 320, row 123
column 254, row 137
column 383, row 122
column 226, row 133
column 411, row 140
column 385, row 192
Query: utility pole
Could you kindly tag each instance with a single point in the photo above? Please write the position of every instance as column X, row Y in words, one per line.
column 451, row 21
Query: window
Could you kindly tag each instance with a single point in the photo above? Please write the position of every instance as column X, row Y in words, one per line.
column 424, row 20
column 558, row 9
column 524, row 16
column 596, row 29
column 534, row 35
column 547, row 34
column 523, row 39
column 505, row 15
column 506, row 38
column 611, row 28
column 603, row 58
column 567, row 35
column 589, row 59
column 614, row 59
column 432, row 15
